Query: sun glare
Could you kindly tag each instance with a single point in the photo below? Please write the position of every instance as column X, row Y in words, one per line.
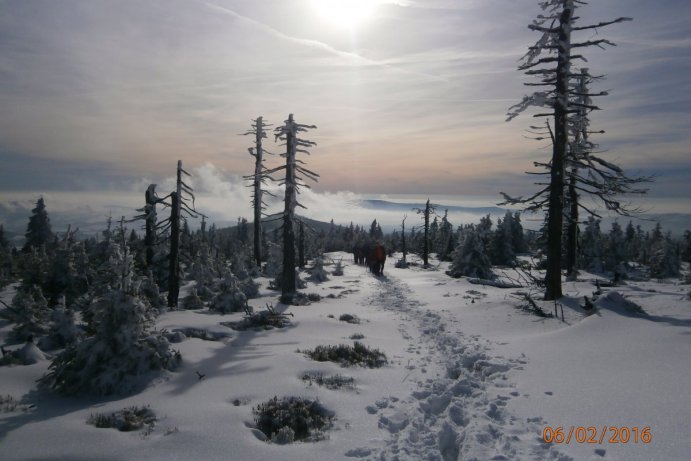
column 345, row 13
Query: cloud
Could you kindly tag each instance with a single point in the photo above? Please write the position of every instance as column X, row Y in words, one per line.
column 115, row 90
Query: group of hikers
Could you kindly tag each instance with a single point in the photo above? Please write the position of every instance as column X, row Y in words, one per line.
column 372, row 254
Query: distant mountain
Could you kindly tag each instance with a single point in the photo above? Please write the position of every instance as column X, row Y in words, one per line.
column 676, row 223
column 395, row 206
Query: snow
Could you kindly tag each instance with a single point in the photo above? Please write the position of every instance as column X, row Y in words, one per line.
column 470, row 376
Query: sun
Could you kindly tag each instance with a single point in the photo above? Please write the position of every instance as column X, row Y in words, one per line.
column 345, row 13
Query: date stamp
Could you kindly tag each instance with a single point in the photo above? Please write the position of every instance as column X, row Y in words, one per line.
column 597, row 435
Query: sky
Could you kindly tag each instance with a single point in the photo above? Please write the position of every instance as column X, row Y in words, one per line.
column 101, row 98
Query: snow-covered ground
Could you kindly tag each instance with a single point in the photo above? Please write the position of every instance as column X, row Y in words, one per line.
column 470, row 376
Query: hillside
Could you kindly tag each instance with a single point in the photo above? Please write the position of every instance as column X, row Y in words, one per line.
column 469, row 376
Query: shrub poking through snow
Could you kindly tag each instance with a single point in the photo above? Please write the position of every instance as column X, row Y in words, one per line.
column 336, row 381
column 300, row 299
column 267, row 320
column 200, row 333
column 338, row 270
column 291, row 419
column 192, row 301
column 349, row 318
column 317, row 272
column 356, row 336
column 125, row 420
column 9, row 404
column 357, row 354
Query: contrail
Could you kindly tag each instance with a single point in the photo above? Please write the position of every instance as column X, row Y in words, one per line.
column 320, row 45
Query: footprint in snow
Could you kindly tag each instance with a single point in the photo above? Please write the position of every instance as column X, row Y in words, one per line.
column 394, row 422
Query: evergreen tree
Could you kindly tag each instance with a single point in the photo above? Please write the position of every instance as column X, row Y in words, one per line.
column 470, row 258
column 591, row 247
column 501, row 249
column 38, row 232
column 686, row 247
column 664, row 258
column 123, row 346
column 6, row 260
column 615, row 253
column 444, row 243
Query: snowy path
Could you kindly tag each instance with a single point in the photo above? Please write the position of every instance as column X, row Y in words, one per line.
column 458, row 409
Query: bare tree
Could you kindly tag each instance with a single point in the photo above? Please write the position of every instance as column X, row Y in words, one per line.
column 149, row 216
column 258, row 179
column 550, row 61
column 181, row 207
column 288, row 132
column 426, row 212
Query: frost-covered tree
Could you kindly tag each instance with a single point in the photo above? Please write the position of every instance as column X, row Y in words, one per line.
column 686, row 247
column 258, row 129
column 470, row 258
column 29, row 312
column 229, row 297
column 289, row 134
column 123, row 348
column 591, row 246
column 588, row 173
column 550, row 60
column 149, row 216
column 664, row 258
column 502, row 250
column 615, row 248
column 6, row 259
column 38, row 231
column 444, row 243
column 181, row 207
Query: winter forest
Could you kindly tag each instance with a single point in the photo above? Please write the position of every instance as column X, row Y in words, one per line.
column 555, row 327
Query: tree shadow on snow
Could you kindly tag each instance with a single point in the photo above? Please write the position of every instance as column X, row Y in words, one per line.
column 238, row 356
column 41, row 404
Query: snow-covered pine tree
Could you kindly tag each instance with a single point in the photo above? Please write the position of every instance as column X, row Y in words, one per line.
column 444, row 243
column 686, row 247
column 502, row 251
column 123, row 350
column 29, row 312
column 229, row 297
column 6, row 260
column 288, row 132
column 664, row 258
column 550, row 59
column 614, row 252
column 592, row 246
column 470, row 258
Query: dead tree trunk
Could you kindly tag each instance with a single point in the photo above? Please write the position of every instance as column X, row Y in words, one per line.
column 429, row 209
column 580, row 140
column 301, row 246
column 258, row 166
column 174, row 256
column 403, row 246
column 555, row 217
column 289, row 133
column 150, row 220
column 288, row 278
